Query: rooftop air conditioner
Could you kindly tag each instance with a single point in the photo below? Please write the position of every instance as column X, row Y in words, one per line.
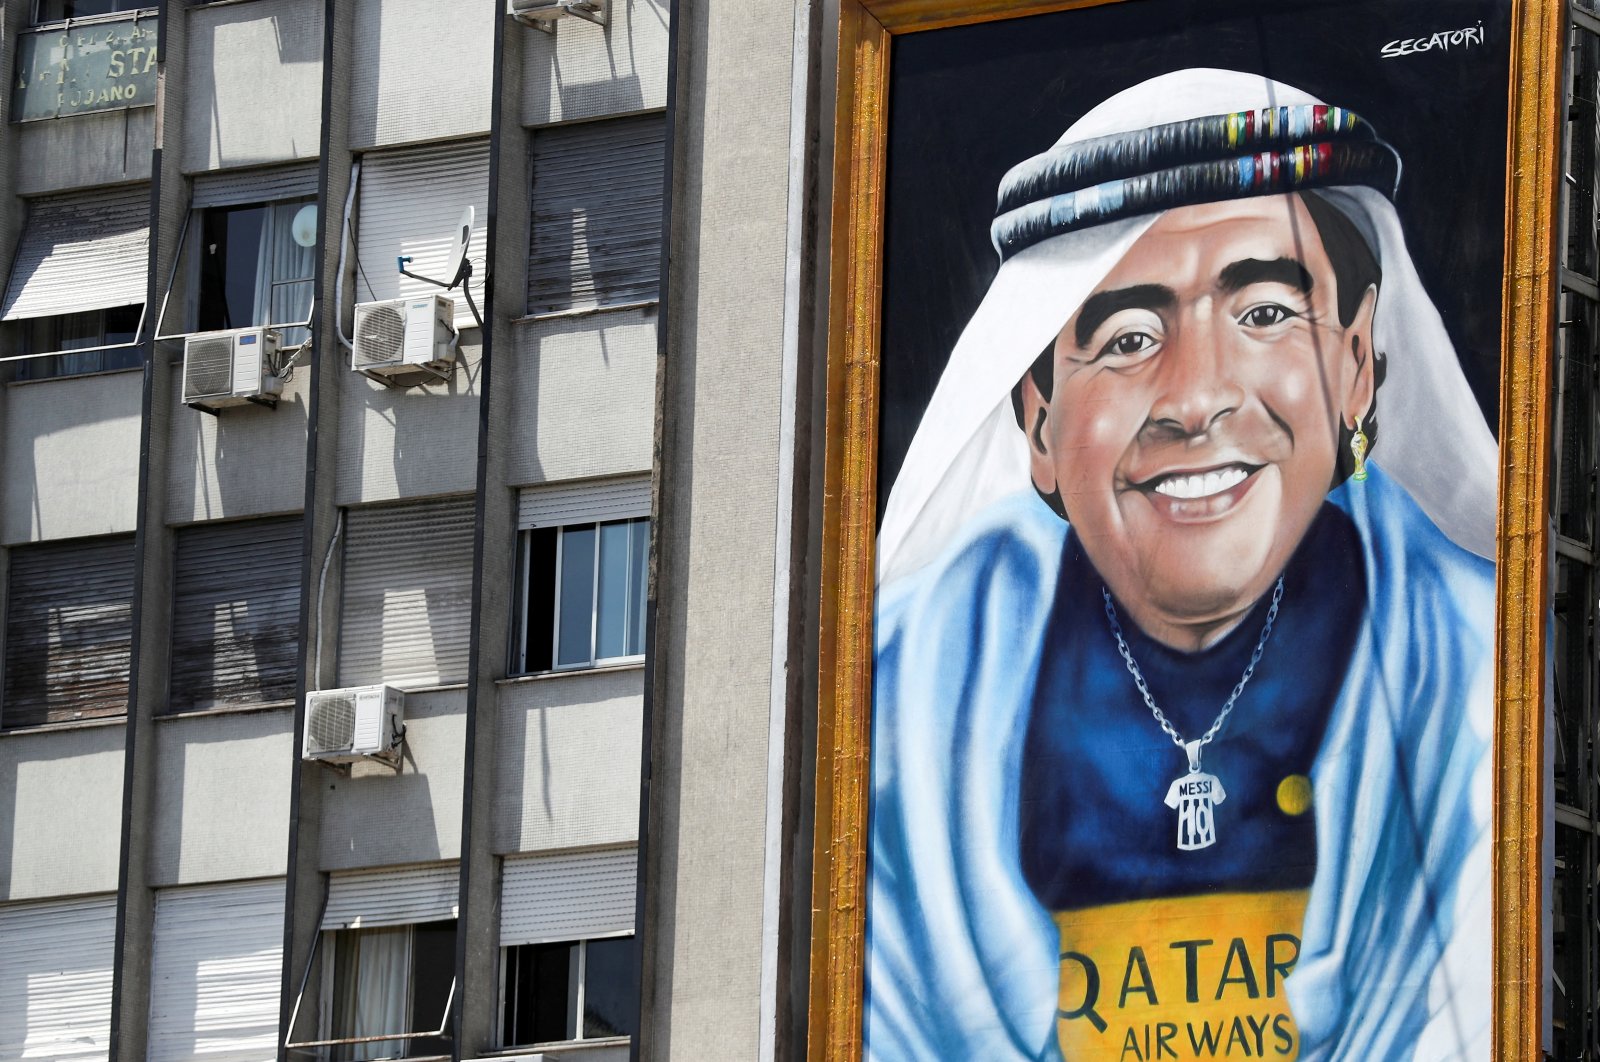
column 231, row 368
column 360, row 723
column 543, row 14
column 405, row 341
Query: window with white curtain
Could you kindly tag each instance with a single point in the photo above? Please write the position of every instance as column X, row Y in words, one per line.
column 391, row 982
column 256, row 266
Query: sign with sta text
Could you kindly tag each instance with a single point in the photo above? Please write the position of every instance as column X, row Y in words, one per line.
column 99, row 66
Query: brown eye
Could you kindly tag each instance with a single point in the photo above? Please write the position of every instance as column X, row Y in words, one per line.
column 1265, row 315
column 1128, row 345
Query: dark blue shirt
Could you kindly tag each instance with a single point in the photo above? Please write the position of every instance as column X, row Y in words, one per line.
column 1096, row 767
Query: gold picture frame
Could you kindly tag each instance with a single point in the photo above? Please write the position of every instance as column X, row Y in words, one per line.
column 866, row 29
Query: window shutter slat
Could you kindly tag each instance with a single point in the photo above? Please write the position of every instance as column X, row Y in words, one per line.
column 85, row 251
column 55, row 978
column 568, row 896
column 392, row 896
column 69, row 631
column 410, row 203
column 235, row 611
column 596, row 228
column 407, row 614
column 584, row 503
column 216, row 972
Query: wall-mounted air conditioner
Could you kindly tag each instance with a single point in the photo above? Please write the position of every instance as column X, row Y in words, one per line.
column 543, row 14
column 231, row 368
column 405, row 341
column 359, row 723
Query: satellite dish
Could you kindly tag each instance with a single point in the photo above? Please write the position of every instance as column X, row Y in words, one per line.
column 458, row 245
column 304, row 226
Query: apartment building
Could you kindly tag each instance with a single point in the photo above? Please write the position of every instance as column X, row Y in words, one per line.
column 247, row 460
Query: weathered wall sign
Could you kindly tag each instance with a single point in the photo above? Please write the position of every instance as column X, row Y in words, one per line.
column 100, row 66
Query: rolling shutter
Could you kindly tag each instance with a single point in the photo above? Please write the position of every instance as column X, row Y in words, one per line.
column 216, row 971
column 567, row 896
column 55, row 979
column 410, row 203
column 243, row 187
column 235, row 613
column 407, row 613
column 584, row 503
column 85, row 251
column 596, row 238
column 393, row 896
column 69, row 631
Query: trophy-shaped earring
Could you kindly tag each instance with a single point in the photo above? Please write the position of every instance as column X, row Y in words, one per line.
column 1358, row 449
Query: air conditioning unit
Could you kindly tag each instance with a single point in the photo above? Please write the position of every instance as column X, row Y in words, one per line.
column 231, row 368
column 359, row 723
column 543, row 14
column 405, row 341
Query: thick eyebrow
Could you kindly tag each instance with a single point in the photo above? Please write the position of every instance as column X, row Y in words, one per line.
column 1287, row 271
column 1102, row 304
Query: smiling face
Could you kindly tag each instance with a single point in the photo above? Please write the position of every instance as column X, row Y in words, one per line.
column 1194, row 419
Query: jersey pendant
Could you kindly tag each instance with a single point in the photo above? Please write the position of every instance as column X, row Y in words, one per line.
column 1194, row 796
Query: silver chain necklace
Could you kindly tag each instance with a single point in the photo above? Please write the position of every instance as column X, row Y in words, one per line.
column 1194, row 795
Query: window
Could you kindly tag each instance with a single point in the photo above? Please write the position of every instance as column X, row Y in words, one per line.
column 393, row 981
column 77, row 285
column 574, row 990
column 69, row 631
column 89, row 334
column 59, row 10
column 257, row 266
column 581, row 594
column 235, row 610
column 596, row 214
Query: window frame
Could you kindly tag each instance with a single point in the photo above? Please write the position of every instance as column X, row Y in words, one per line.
column 188, row 263
column 50, row 362
column 523, row 605
column 328, row 1039
column 37, row 22
column 503, row 1003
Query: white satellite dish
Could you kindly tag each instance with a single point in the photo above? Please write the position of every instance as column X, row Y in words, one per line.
column 304, row 226
column 458, row 244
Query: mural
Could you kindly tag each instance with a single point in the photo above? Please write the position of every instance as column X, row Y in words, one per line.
column 1182, row 705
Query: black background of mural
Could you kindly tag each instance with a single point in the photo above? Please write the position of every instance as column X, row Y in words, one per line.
column 967, row 104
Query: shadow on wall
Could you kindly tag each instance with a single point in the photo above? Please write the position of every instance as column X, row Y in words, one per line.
column 601, row 73
column 259, row 454
column 223, row 33
column 89, row 424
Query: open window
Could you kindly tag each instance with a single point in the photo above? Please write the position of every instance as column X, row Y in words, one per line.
column 582, row 568
column 569, row 967
column 74, row 301
column 387, row 951
column 248, row 256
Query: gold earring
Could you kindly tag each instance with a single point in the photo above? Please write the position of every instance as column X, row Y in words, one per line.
column 1358, row 448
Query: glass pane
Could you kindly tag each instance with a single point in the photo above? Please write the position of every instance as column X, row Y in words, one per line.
column 610, row 988
column 611, row 619
column 230, row 257
column 541, row 994
column 433, row 969
column 538, row 606
column 284, row 295
column 640, row 545
column 369, row 989
column 575, row 614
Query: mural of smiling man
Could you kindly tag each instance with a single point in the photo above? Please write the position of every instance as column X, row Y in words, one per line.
column 1182, row 701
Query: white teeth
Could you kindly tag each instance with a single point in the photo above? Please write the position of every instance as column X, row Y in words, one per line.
column 1201, row 484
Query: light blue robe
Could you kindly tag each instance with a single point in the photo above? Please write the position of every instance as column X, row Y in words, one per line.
column 1395, row 952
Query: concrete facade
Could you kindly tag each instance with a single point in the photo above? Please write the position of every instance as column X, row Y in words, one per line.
column 710, row 392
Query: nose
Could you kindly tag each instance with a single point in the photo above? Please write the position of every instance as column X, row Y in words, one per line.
column 1196, row 380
